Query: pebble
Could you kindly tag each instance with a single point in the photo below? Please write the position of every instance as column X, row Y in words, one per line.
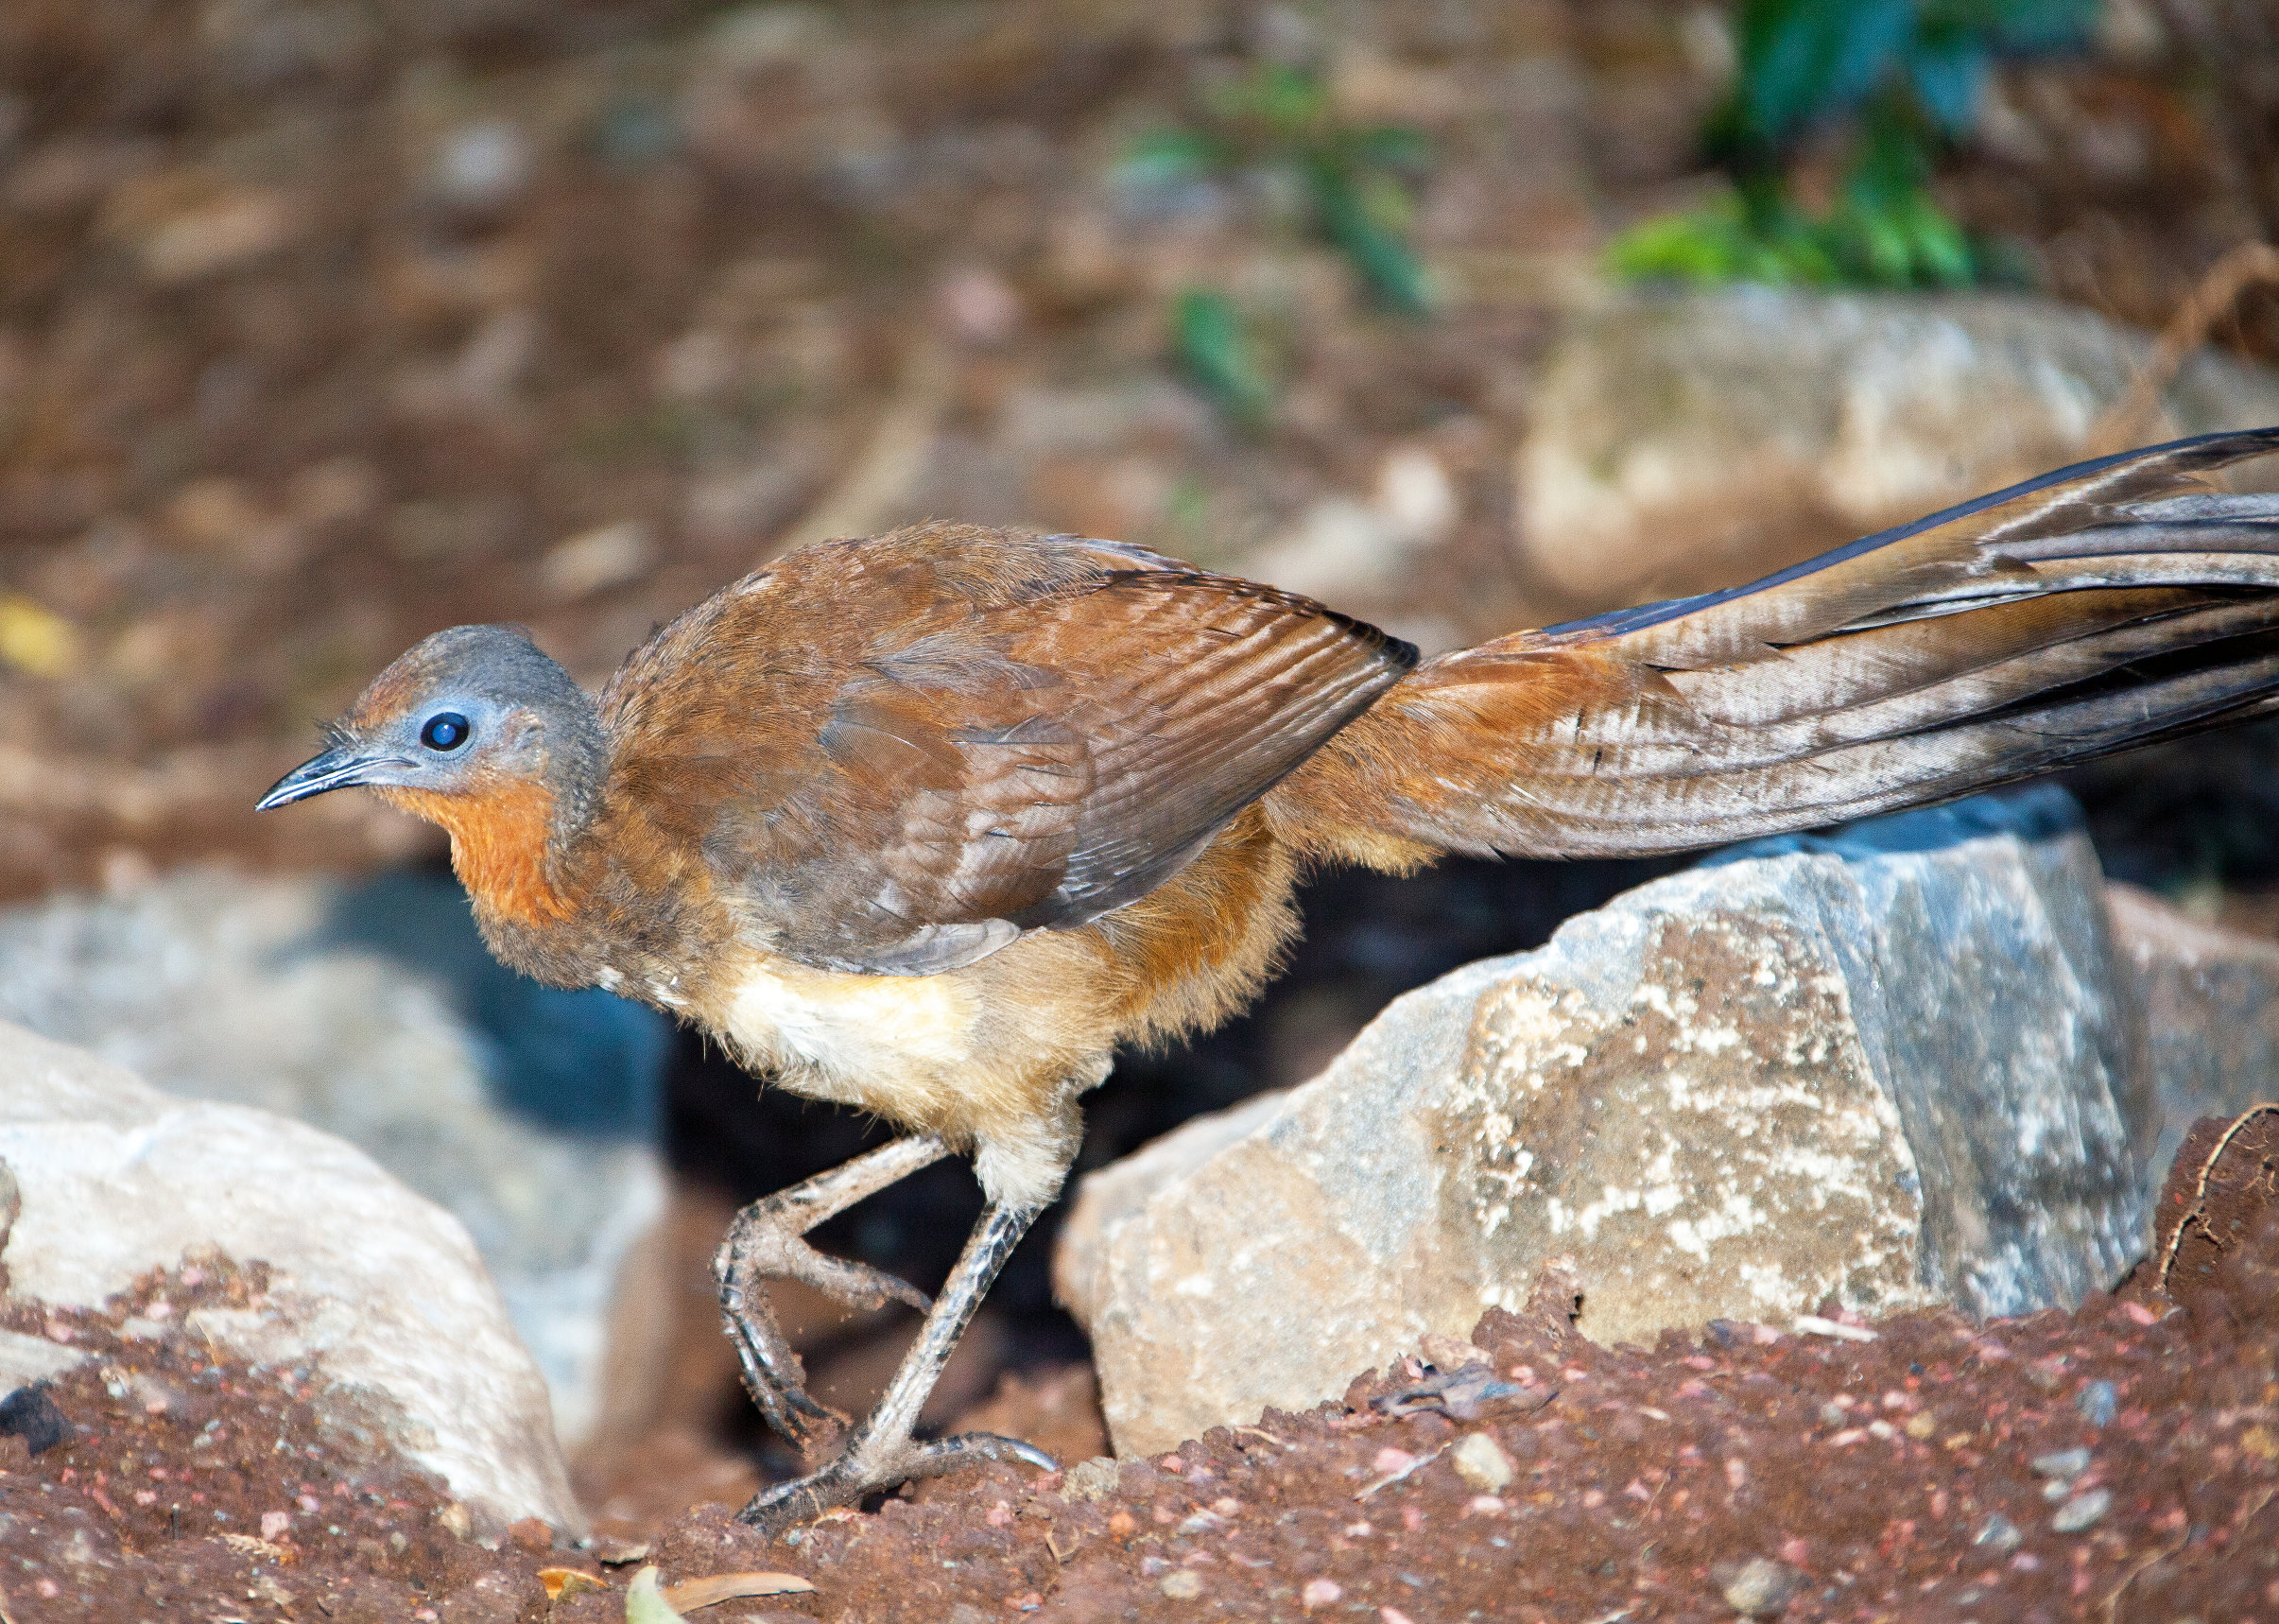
column 2062, row 1465
column 2082, row 1511
column 1760, row 1587
column 1320, row 1593
column 1999, row 1532
column 1093, row 1479
column 2097, row 1401
column 1185, row 1586
column 1481, row 1462
column 482, row 165
column 597, row 559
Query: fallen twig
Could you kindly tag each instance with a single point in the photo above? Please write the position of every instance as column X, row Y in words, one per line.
column 2200, row 1190
column 1417, row 1465
column 2122, row 424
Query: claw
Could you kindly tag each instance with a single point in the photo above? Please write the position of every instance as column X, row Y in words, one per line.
column 780, row 1507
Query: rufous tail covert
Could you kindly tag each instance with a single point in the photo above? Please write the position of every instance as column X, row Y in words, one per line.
column 929, row 823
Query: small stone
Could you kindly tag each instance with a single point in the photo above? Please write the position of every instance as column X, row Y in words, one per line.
column 2062, row 1465
column 1183, row 1585
column 531, row 1534
column 1759, row 1587
column 1320, row 1593
column 1446, row 1353
column 454, row 1520
column 1481, row 1462
column 1998, row 1532
column 1832, row 1415
column 2082, row 1511
column 2097, row 1401
column 482, row 165
column 1093, row 1479
column 1920, row 1427
column 597, row 559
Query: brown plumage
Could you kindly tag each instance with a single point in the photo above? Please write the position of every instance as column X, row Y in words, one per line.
column 929, row 823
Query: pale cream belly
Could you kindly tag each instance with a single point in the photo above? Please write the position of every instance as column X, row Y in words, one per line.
column 896, row 1044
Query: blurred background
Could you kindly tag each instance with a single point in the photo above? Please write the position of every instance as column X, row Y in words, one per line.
column 326, row 323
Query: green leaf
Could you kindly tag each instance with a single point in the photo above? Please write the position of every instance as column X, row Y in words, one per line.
column 1219, row 354
column 1364, row 220
column 1390, row 147
column 1163, row 157
column 1803, row 60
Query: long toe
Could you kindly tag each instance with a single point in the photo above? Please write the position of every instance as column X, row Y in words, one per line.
column 971, row 1448
column 780, row 1507
column 857, row 1285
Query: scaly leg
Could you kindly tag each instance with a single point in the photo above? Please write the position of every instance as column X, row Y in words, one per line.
column 882, row 1452
column 764, row 1242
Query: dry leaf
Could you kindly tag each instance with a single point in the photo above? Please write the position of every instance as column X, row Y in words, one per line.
column 562, row 1581
column 692, row 1593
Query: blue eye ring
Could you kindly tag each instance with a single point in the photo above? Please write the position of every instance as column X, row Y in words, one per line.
column 445, row 731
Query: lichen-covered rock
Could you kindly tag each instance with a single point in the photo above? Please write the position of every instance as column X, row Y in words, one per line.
column 1682, row 444
column 1886, row 1066
column 377, row 1288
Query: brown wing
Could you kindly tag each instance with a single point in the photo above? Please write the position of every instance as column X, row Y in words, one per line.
column 918, row 747
column 2102, row 606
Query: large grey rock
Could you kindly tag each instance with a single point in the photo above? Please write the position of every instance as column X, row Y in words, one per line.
column 1888, row 1067
column 1683, row 443
column 2211, row 1013
column 376, row 1287
column 375, row 1015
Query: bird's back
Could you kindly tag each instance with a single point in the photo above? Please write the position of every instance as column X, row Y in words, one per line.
column 899, row 755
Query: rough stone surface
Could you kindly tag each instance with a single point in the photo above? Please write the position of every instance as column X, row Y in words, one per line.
column 381, row 1289
column 1886, row 1066
column 1680, row 443
column 2211, row 1006
column 374, row 1013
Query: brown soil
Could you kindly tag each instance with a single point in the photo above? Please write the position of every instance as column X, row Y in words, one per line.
column 1909, row 1476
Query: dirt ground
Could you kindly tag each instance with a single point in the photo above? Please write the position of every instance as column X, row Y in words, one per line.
column 2114, row 1463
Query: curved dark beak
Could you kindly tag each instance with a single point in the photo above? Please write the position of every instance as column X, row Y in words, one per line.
column 340, row 768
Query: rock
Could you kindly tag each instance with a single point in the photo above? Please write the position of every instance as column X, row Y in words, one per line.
column 2084, row 1511
column 24, row 1360
column 1999, row 1532
column 2211, row 1013
column 1682, row 444
column 381, row 1290
column 1757, row 1588
column 1886, row 1065
column 373, row 1012
column 1345, row 550
column 2062, row 1465
column 597, row 559
column 1481, row 1462
column 1094, row 1480
column 2097, row 1402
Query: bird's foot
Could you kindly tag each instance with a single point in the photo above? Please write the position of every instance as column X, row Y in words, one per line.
column 867, row 1467
column 766, row 1241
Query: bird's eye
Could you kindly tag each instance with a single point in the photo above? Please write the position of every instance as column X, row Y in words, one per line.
column 446, row 730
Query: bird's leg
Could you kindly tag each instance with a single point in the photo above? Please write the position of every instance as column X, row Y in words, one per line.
column 764, row 1242
column 882, row 1452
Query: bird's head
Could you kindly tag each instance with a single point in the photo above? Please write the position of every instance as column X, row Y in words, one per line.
column 477, row 731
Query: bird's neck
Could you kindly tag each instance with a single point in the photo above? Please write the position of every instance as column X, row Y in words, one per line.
column 514, row 839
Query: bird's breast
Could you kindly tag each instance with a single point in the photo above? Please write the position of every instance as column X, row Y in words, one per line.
column 890, row 1044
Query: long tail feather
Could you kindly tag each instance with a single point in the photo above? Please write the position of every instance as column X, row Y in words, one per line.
column 2100, row 606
